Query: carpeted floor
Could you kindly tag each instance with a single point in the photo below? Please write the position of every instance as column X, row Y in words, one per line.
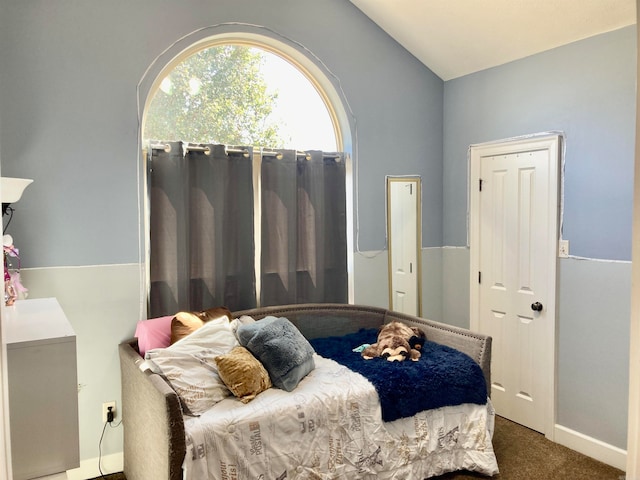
column 526, row 455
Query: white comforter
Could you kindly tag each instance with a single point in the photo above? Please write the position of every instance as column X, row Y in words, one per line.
column 330, row 427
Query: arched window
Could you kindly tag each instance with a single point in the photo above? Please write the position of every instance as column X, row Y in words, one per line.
column 247, row 183
column 237, row 94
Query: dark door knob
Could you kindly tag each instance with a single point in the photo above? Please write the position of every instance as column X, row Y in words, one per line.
column 536, row 307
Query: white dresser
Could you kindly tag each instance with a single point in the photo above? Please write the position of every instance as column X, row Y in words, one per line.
column 43, row 388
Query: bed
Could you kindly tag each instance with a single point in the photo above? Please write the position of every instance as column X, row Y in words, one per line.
column 333, row 424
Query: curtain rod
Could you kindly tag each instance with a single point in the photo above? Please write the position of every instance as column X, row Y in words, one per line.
column 199, row 148
column 299, row 153
column 161, row 146
column 207, row 150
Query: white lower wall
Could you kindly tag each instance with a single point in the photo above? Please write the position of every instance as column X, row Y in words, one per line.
column 89, row 468
column 102, row 305
column 372, row 281
column 592, row 373
column 455, row 286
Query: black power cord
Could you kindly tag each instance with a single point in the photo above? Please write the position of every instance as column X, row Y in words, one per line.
column 110, row 417
column 100, row 449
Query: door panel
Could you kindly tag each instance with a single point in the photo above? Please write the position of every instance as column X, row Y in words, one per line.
column 513, row 228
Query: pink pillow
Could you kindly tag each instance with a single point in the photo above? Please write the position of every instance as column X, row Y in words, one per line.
column 153, row 333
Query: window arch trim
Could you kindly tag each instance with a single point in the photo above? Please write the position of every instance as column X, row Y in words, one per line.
column 319, row 77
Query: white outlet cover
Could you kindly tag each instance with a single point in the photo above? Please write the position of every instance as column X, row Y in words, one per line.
column 563, row 248
column 105, row 410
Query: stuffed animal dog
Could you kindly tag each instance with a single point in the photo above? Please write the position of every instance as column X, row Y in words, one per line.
column 396, row 341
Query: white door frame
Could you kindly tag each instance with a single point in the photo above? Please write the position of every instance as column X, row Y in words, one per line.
column 552, row 143
column 633, row 432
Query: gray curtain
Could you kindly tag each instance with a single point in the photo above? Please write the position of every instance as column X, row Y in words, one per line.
column 304, row 244
column 201, row 230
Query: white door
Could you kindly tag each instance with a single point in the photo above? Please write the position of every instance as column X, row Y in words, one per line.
column 404, row 241
column 514, row 247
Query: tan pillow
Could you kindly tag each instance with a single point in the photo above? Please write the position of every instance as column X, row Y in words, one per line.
column 185, row 323
column 243, row 374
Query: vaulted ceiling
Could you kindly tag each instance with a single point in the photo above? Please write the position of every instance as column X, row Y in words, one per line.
column 457, row 37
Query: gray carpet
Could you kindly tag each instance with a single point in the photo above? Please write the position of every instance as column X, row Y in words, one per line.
column 526, row 455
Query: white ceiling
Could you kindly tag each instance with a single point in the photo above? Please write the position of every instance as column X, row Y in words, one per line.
column 457, row 37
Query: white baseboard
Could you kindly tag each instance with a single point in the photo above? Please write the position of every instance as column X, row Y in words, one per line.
column 89, row 468
column 603, row 452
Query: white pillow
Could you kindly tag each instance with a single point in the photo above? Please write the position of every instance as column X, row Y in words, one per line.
column 243, row 320
column 190, row 368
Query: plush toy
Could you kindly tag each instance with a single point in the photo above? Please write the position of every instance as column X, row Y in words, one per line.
column 396, row 341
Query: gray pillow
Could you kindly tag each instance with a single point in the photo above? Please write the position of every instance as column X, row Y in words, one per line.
column 282, row 349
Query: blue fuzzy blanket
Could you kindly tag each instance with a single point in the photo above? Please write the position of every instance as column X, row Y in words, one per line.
column 441, row 377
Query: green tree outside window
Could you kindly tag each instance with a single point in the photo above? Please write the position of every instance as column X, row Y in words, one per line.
column 217, row 95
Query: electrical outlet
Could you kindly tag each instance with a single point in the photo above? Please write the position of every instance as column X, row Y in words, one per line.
column 105, row 410
column 563, row 248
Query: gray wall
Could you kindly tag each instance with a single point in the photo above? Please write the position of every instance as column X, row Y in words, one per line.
column 69, row 71
column 586, row 90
